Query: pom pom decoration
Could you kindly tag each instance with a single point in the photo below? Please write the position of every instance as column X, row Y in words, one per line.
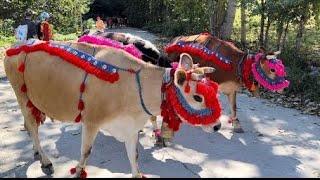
column 21, row 67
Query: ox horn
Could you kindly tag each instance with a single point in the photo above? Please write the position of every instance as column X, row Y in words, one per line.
column 197, row 77
column 208, row 70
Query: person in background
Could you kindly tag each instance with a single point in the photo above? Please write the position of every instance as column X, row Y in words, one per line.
column 32, row 30
column 45, row 27
column 100, row 25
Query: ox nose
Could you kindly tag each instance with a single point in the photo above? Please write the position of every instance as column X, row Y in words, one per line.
column 217, row 127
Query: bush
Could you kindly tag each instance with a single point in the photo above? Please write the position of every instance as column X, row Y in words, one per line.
column 302, row 82
column 6, row 27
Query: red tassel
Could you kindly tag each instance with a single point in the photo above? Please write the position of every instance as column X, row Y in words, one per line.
column 187, row 89
column 24, row 88
column 83, row 174
column 73, row 171
column 21, row 67
column 29, row 104
column 81, row 105
column 78, row 119
column 82, row 88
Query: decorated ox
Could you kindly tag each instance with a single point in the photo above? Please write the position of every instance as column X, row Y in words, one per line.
column 105, row 88
column 234, row 67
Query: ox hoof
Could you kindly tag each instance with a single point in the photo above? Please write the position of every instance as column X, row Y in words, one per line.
column 140, row 176
column 36, row 156
column 237, row 127
column 47, row 169
column 167, row 142
column 238, row 130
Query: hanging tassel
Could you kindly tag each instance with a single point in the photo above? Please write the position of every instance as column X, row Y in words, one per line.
column 73, row 171
column 82, row 88
column 187, row 89
column 21, row 67
column 29, row 104
column 83, row 174
column 78, row 119
column 24, row 88
column 81, row 105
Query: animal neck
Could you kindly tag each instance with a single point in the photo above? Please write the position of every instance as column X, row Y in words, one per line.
column 245, row 71
column 151, row 79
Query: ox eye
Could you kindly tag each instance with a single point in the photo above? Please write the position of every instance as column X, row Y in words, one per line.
column 197, row 98
column 273, row 70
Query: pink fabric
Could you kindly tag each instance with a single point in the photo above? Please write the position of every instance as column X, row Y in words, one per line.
column 131, row 49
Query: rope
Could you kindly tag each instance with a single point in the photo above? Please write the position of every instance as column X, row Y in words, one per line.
column 140, row 93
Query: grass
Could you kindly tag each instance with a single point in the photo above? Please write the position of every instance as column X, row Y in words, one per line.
column 68, row 37
column 6, row 41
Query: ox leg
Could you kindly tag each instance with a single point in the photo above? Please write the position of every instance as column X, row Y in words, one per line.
column 33, row 130
column 234, row 119
column 89, row 134
column 132, row 152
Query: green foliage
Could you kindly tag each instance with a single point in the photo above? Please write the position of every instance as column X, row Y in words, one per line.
column 6, row 27
column 6, row 40
column 66, row 14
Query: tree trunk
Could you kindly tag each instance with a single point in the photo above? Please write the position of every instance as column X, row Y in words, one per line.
column 243, row 23
column 263, row 17
column 283, row 43
column 279, row 33
column 266, row 39
column 227, row 27
column 217, row 13
column 301, row 29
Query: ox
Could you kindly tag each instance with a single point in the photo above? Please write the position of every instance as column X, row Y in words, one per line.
column 105, row 89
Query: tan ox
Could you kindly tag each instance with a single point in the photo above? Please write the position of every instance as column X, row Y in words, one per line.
column 52, row 85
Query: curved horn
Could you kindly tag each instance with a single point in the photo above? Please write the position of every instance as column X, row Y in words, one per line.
column 197, row 77
column 208, row 70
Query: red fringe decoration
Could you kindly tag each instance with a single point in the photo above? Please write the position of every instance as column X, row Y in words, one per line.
column 24, row 88
column 199, row 53
column 81, row 105
column 71, row 58
column 247, row 72
column 78, row 119
column 21, row 67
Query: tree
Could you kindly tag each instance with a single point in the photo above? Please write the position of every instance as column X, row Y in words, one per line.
column 227, row 26
column 243, row 22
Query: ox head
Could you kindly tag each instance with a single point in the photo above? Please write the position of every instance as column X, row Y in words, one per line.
column 196, row 100
column 270, row 72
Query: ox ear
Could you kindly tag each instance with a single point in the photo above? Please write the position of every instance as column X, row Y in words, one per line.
column 180, row 77
column 186, row 62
